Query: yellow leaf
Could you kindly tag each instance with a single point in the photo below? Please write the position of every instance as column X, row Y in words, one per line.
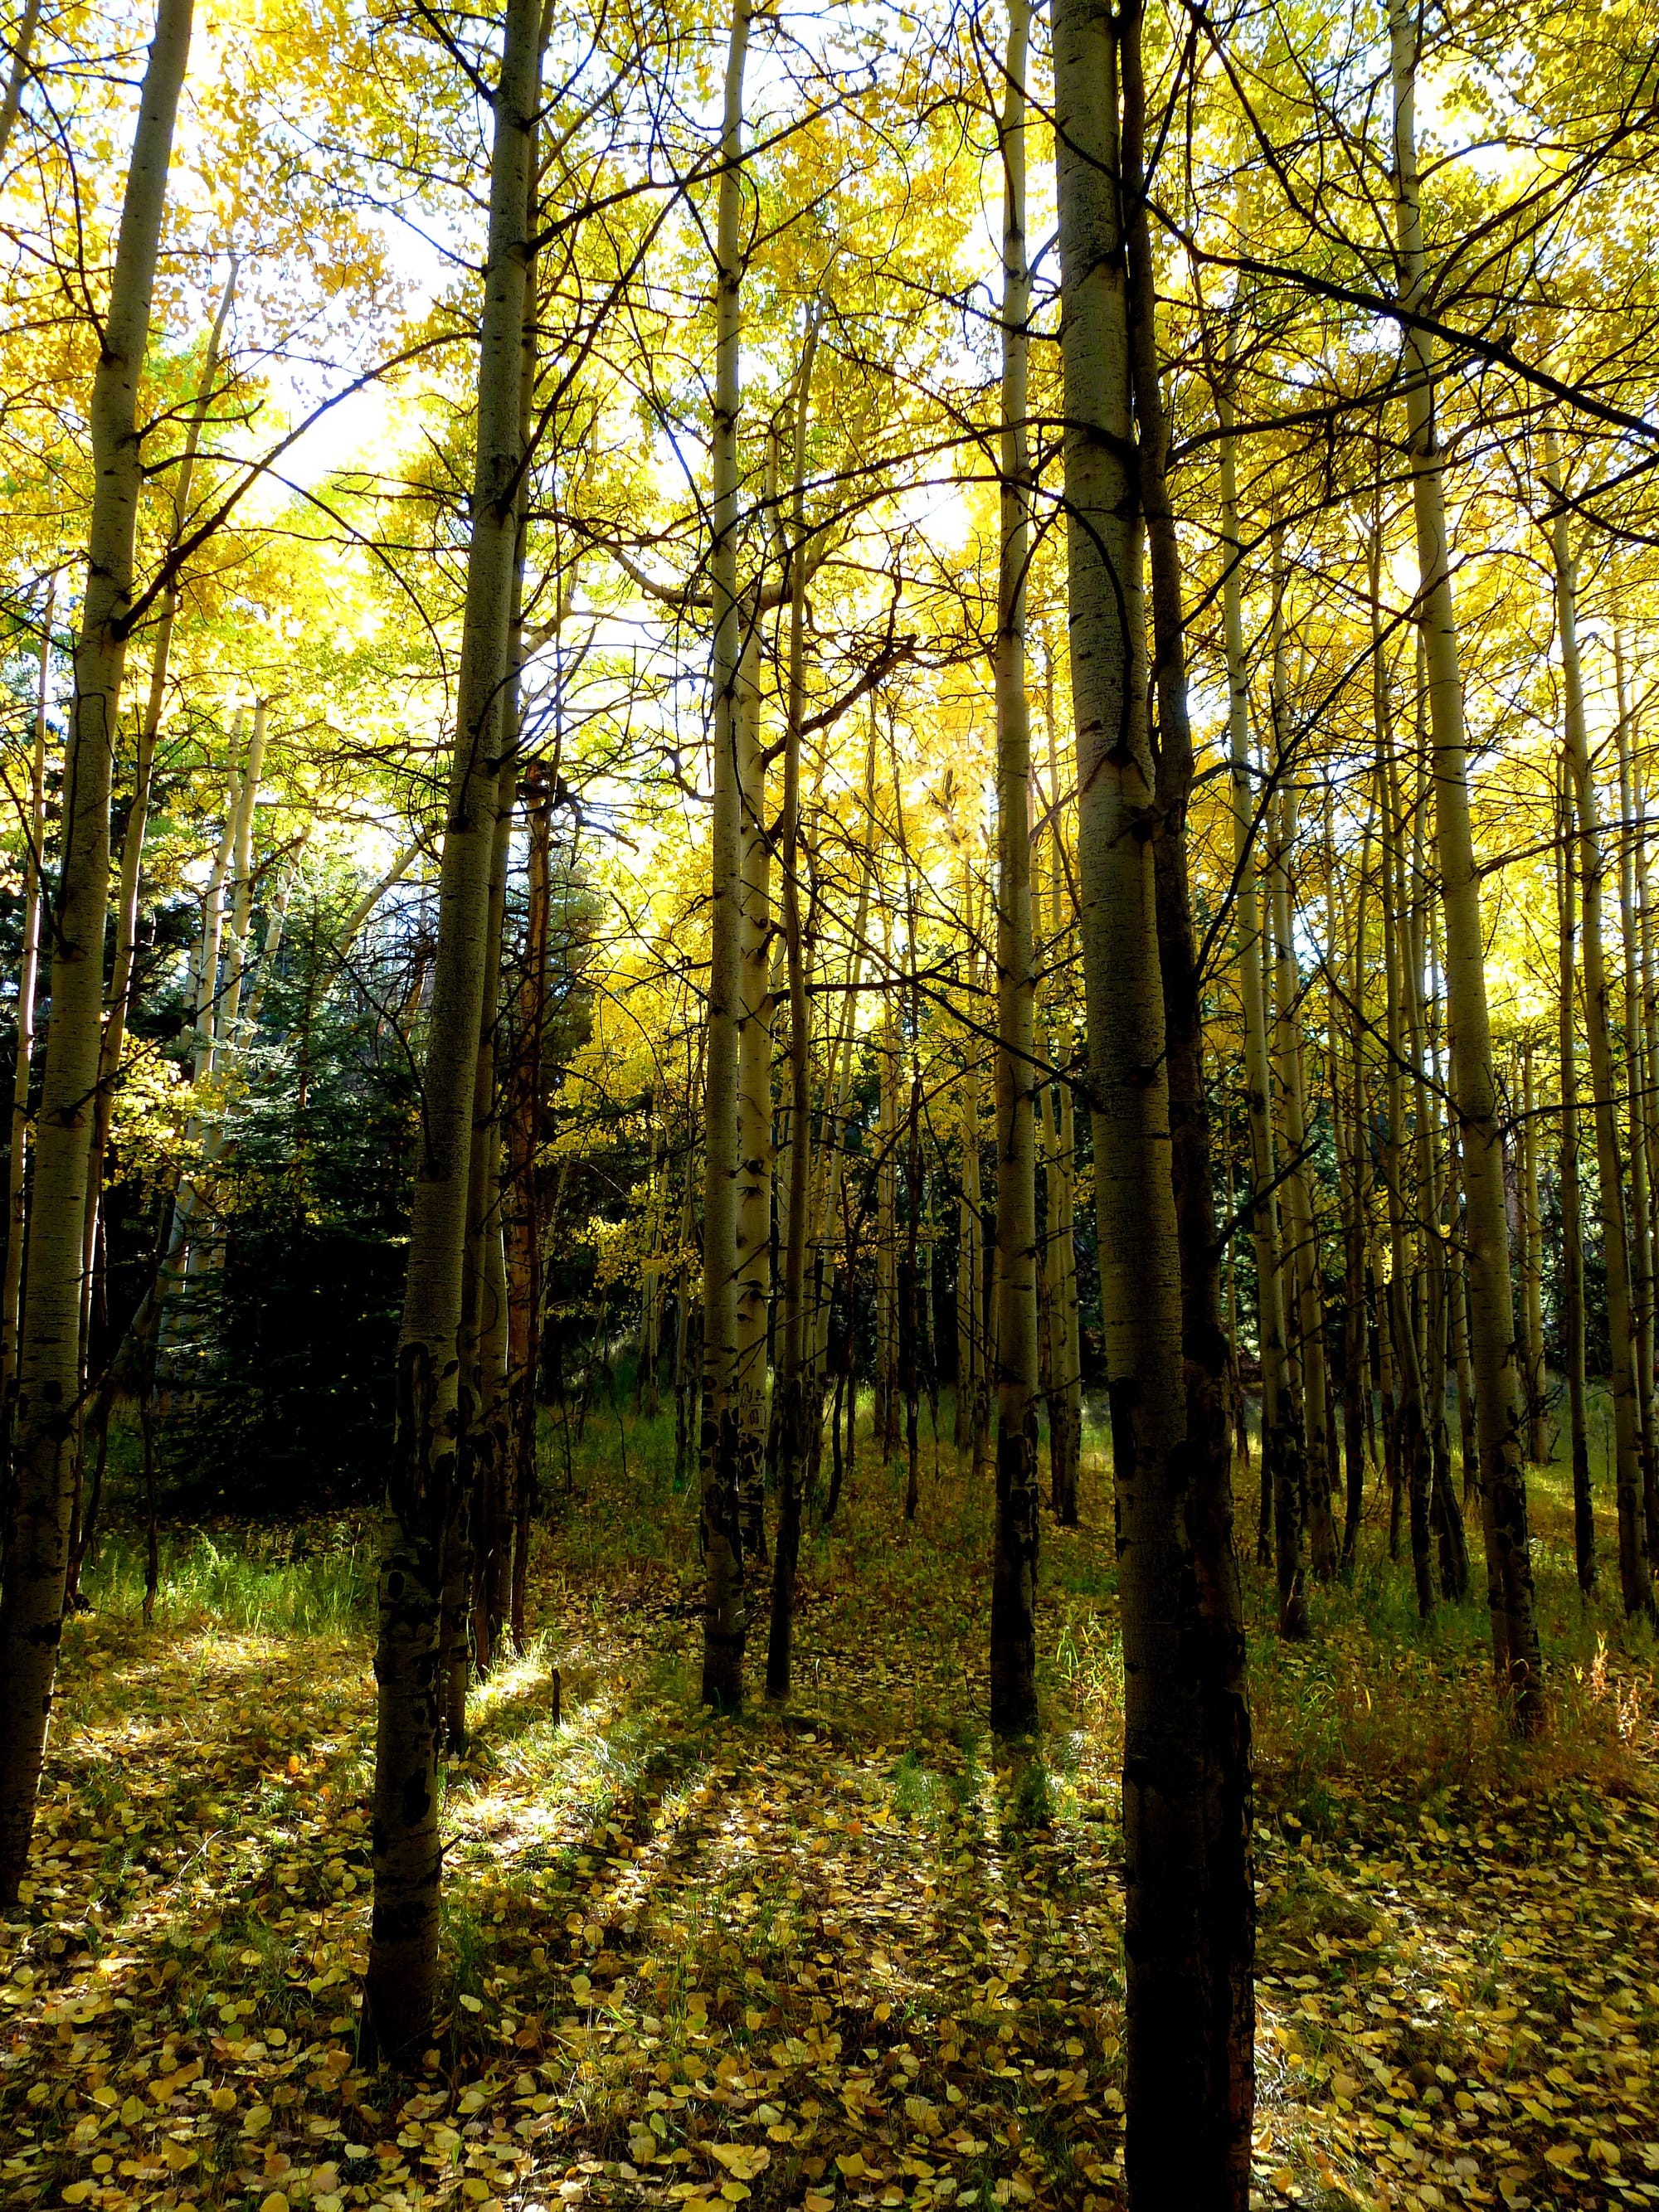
column 275, row 2202
column 1283, row 2179
column 223, row 2100
column 851, row 2163
column 131, row 2112
column 473, row 2004
column 1561, row 2154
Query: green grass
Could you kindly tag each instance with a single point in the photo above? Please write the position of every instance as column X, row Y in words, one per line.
column 255, row 1582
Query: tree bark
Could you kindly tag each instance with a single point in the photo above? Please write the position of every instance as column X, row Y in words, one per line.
column 1635, row 1577
column 400, row 1988
column 1014, row 1554
column 1181, row 2147
column 48, row 1352
column 725, row 1627
column 23, row 1066
column 791, row 1379
column 1572, row 1211
column 1210, row 1689
column 1281, row 1440
column 1516, row 1652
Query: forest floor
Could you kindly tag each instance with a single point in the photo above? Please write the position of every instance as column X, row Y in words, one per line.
column 841, row 1956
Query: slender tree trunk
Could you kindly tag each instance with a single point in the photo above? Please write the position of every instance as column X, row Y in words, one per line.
column 22, row 47
column 475, row 1532
column 884, row 1417
column 123, row 979
column 755, row 1152
column 1281, row 1443
column 1014, row 1555
column 1638, row 1075
column 792, row 1377
column 1180, row 2147
column 523, row 1222
column 724, row 1624
column 23, row 1066
column 1301, row 1230
column 1572, row 1224
column 49, row 1350
column 1532, row 1268
column 1515, row 1627
column 1635, row 1577
column 400, row 1988
column 1217, row 1953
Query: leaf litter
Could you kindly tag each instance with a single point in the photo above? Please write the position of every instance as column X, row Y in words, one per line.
column 844, row 1956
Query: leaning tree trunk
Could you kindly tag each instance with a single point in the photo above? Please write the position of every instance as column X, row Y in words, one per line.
column 724, row 1623
column 1517, row 1657
column 400, row 1988
column 23, row 47
column 49, row 1372
column 1014, row 1553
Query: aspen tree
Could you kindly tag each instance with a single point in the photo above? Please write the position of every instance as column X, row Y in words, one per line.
column 1066, row 1392
column 1303, row 1367
column 755, row 1152
column 23, row 48
column 1647, row 1116
column 1414, row 1472
column 1014, row 1556
column 1445, row 1517
column 119, row 997
column 1532, row 1267
column 1188, row 2106
column 1302, row 1229
column 724, row 1620
column 1349, row 1118
column 23, row 1065
column 49, row 1358
column 791, row 1382
column 970, row 1297
column 1635, row 1578
column 474, row 1535
column 1637, row 1079
column 1281, row 1442
column 400, row 1986
column 1208, row 1690
column 1516, row 1658
column 1572, row 1248
column 885, row 1413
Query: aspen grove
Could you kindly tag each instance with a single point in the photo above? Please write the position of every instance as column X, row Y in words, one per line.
column 830, row 969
